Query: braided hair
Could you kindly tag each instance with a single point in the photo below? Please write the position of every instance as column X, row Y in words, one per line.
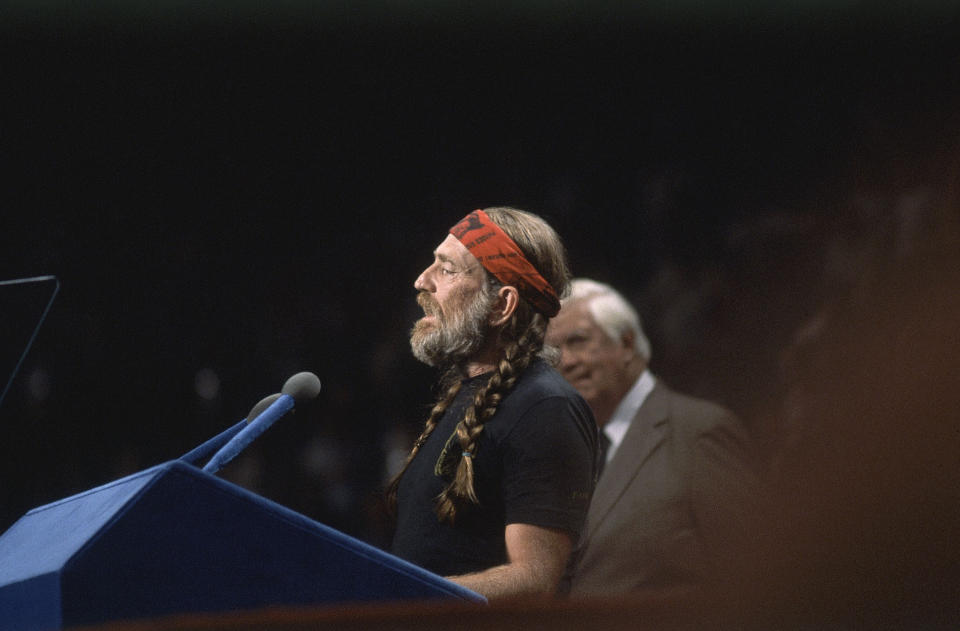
column 522, row 341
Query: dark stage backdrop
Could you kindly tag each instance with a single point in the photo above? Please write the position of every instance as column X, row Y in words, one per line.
column 231, row 193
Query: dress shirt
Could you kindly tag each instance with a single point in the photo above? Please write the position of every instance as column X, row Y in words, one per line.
column 619, row 422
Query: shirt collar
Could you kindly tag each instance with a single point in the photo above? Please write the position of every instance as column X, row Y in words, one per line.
column 619, row 422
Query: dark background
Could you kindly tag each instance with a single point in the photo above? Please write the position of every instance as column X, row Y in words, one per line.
column 230, row 194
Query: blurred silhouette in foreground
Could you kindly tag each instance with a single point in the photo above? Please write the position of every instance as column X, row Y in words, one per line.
column 865, row 526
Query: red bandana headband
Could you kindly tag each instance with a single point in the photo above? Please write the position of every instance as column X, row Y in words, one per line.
column 500, row 256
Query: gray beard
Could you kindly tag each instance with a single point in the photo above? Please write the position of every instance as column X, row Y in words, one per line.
column 452, row 342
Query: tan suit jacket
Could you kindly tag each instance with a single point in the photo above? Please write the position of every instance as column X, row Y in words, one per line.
column 669, row 507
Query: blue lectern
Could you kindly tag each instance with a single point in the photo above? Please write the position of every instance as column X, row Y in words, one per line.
column 176, row 539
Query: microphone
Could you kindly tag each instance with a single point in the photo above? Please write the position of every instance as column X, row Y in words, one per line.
column 301, row 388
column 261, row 405
column 221, row 439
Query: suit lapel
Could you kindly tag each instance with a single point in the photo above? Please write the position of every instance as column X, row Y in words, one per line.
column 646, row 432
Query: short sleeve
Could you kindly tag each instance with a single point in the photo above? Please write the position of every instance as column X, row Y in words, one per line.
column 548, row 464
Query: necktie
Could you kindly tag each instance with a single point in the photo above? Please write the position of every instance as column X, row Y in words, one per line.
column 604, row 447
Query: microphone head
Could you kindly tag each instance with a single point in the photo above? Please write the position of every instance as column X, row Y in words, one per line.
column 261, row 405
column 303, row 386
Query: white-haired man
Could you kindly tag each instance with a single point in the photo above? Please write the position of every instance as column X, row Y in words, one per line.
column 671, row 501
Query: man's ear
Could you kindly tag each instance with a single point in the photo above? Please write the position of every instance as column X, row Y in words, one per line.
column 627, row 341
column 505, row 305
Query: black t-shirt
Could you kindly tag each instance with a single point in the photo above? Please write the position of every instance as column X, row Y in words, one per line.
column 534, row 464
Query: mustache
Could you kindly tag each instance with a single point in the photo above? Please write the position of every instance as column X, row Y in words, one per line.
column 430, row 306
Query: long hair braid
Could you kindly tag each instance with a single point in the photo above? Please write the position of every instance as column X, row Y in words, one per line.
column 517, row 355
column 522, row 340
column 452, row 386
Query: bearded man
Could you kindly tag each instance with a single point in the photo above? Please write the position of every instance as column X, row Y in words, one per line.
column 496, row 488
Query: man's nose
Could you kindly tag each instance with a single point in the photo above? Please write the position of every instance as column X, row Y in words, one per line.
column 567, row 359
column 423, row 282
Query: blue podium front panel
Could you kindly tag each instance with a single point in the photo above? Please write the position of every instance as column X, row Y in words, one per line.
column 173, row 539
